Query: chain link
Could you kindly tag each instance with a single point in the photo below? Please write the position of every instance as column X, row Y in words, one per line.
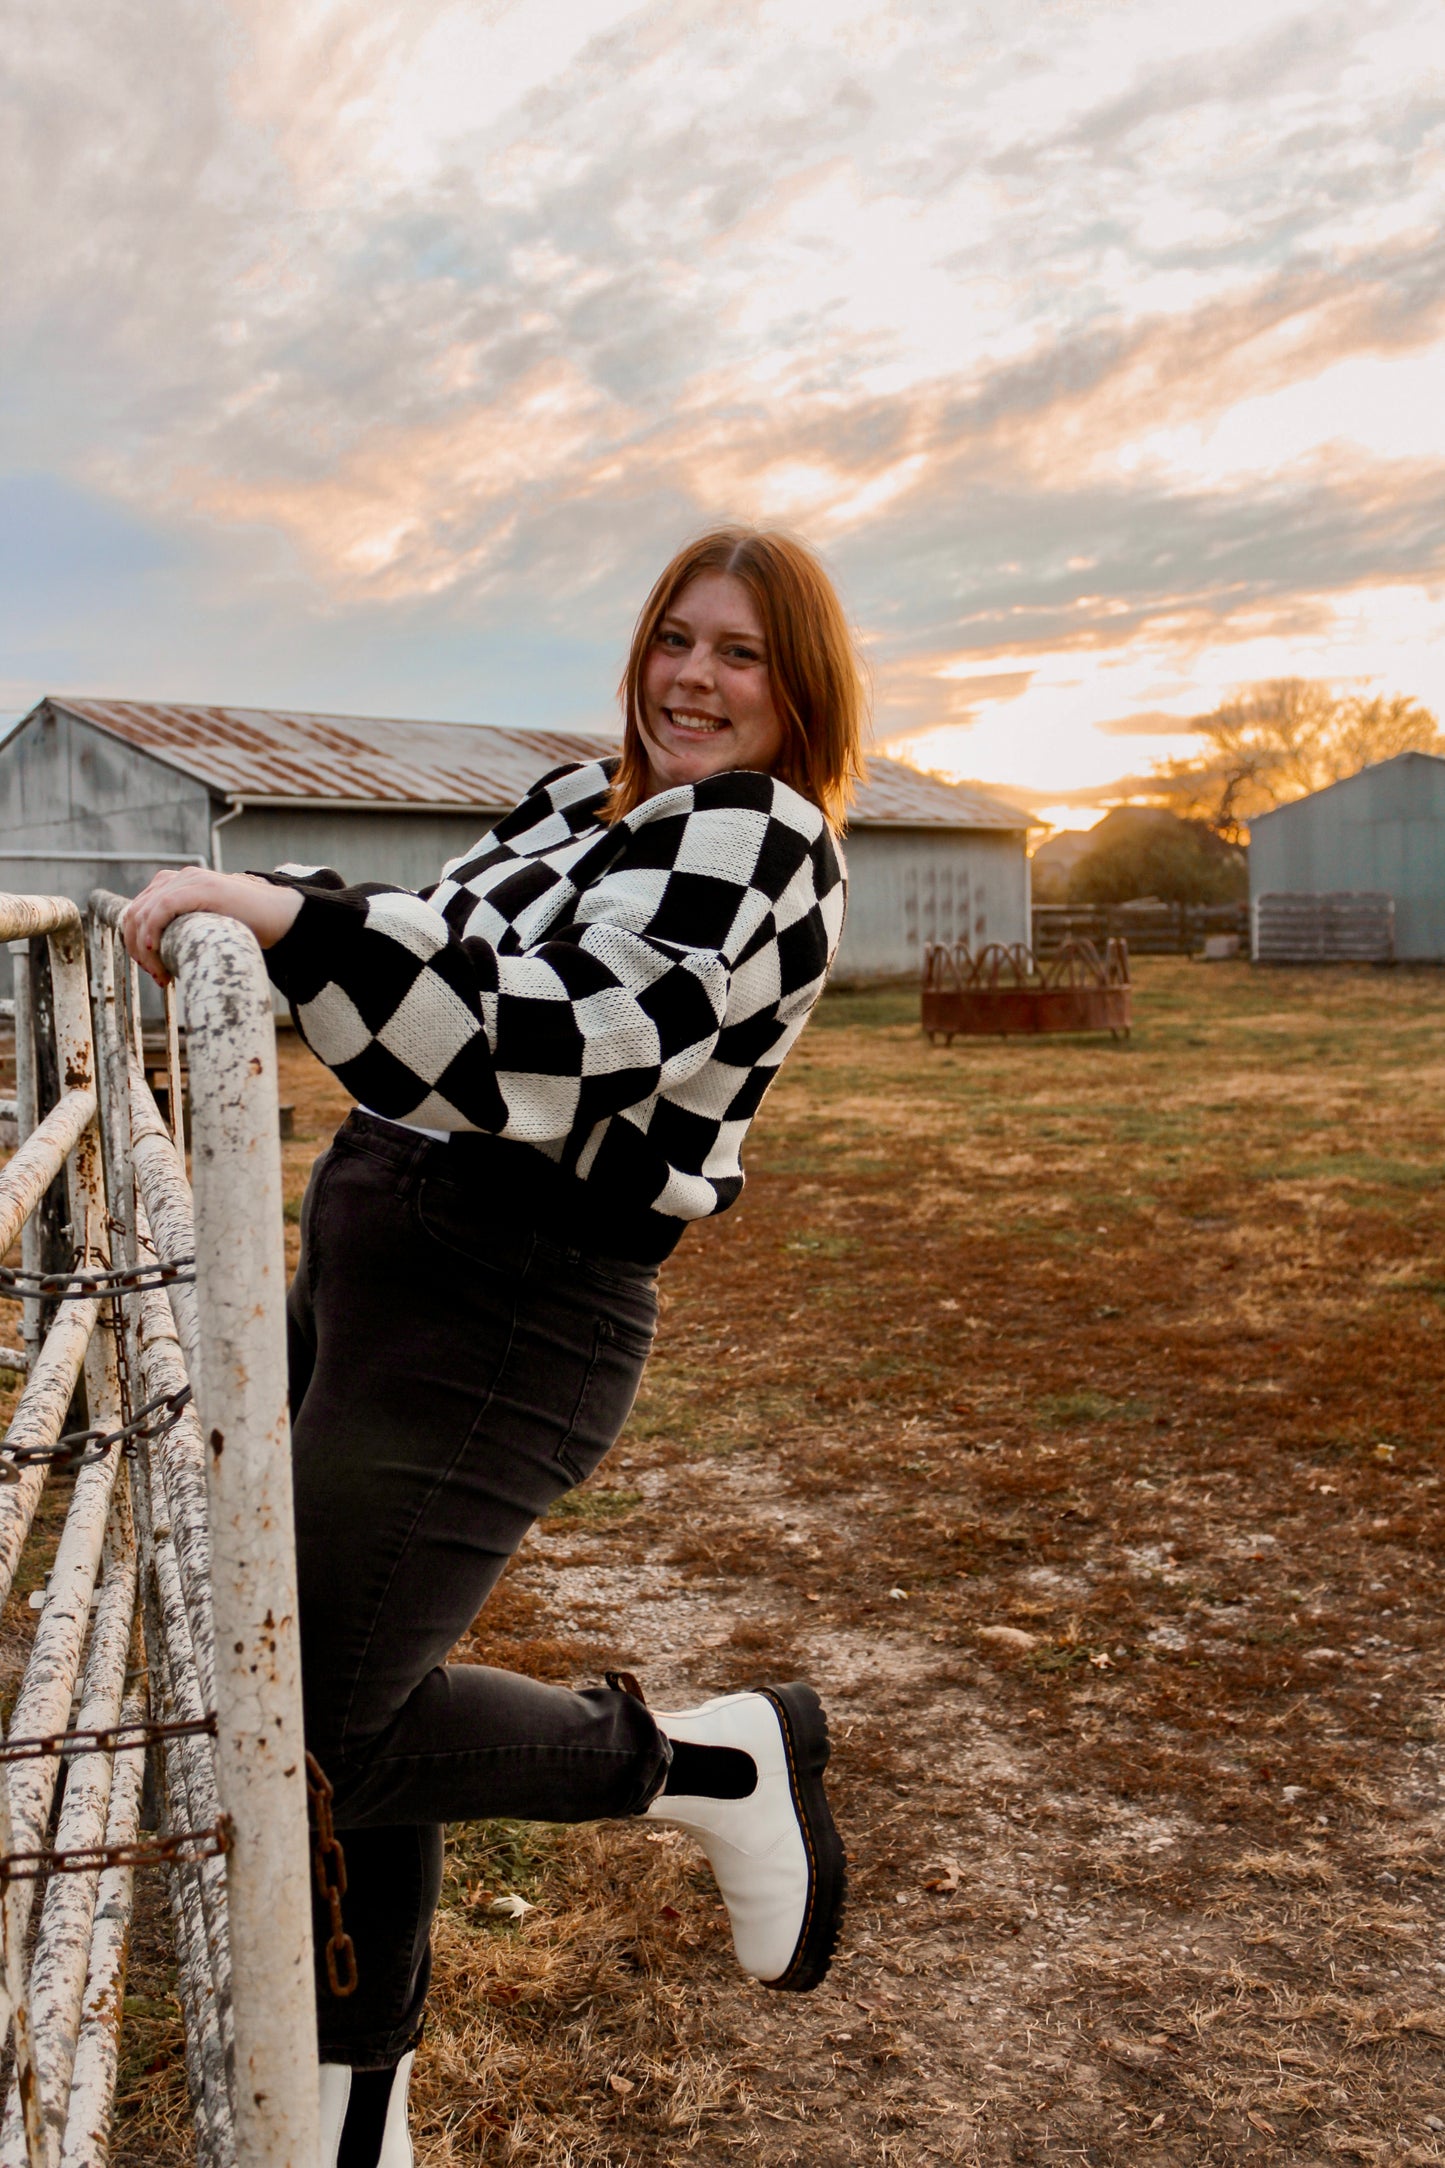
column 119, row 1334
column 181, row 1847
column 78, row 1286
column 330, row 1863
column 107, row 1738
column 78, row 1448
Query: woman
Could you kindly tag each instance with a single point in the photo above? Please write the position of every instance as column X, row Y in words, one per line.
column 558, row 1051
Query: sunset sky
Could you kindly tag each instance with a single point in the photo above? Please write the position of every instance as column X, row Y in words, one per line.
column 373, row 357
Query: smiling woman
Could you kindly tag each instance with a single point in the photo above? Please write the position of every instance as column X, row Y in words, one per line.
column 558, row 1050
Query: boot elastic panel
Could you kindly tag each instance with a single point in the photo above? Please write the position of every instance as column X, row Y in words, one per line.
column 710, row 1772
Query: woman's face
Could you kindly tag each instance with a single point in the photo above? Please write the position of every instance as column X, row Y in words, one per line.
column 707, row 696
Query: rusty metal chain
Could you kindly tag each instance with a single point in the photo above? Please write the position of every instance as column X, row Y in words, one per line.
column 119, row 1333
column 181, row 1847
column 78, row 1286
column 78, row 1448
column 107, row 1738
column 329, row 1862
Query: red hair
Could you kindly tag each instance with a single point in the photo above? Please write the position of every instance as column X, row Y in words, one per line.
column 813, row 667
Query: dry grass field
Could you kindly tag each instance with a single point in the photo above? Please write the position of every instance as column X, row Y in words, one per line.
column 1069, row 1413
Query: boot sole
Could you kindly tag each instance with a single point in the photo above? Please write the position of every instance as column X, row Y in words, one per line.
column 805, row 1738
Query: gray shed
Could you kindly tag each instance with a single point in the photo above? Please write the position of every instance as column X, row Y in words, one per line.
column 100, row 792
column 1380, row 833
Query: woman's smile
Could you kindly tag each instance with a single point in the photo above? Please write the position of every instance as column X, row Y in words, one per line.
column 689, row 719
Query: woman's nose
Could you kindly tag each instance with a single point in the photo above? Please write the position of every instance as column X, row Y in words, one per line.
column 696, row 667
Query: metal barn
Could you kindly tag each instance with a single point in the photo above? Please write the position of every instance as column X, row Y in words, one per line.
column 101, row 792
column 1378, row 834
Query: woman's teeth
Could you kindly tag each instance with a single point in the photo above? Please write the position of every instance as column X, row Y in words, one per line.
column 687, row 721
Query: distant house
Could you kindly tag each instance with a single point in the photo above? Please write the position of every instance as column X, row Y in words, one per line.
column 97, row 793
column 1377, row 838
column 1055, row 859
column 1132, row 850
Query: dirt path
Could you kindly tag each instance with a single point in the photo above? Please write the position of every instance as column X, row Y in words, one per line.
column 1036, row 1966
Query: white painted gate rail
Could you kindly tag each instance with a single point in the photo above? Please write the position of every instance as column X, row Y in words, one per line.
column 169, row 1613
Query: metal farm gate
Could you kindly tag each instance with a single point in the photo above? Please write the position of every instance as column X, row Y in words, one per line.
column 157, row 1726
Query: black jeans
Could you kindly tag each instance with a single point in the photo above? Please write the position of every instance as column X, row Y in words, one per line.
column 452, row 1375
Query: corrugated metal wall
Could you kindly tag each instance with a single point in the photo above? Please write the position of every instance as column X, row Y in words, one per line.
column 909, row 886
column 1383, row 829
column 65, row 784
column 406, row 847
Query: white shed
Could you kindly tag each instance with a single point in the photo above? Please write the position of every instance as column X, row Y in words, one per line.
column 99, row 792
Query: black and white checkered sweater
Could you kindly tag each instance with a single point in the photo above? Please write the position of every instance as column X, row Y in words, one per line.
column 614, row 997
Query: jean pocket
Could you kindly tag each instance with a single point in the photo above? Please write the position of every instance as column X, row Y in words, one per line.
column 450, row 1215
column 619, row 1357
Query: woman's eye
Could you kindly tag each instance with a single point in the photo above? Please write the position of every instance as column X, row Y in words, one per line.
column 742, row 654
column 671, row 639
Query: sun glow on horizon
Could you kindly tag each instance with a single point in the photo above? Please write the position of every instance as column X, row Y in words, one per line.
column 1089, row 723
column 1074, row 818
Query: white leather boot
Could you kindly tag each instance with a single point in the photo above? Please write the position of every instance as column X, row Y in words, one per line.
column 776, row 1852
column 335, row 2093
column 396, row 2136
column 375, row 2139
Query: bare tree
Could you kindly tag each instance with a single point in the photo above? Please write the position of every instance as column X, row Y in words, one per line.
column 1281, row 739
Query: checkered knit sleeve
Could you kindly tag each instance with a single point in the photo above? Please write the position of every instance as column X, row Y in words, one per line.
column 590, row 981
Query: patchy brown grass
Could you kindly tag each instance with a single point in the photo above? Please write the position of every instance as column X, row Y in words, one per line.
column 1069, row 1413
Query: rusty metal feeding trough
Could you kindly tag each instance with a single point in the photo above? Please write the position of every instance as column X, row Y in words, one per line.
column 1003, row 991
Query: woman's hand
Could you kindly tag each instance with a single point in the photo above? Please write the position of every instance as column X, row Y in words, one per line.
column 268, row 911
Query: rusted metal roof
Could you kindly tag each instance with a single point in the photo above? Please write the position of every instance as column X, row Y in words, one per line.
column 897, row 794
column 281, row 755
